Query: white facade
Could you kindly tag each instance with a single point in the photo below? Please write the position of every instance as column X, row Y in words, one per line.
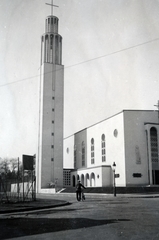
column 127, row 139
column 69, row 152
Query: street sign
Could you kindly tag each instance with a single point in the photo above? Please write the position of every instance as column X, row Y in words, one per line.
column 117, row 175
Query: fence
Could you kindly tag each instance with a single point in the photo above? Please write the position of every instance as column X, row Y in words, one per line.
column 18, row 189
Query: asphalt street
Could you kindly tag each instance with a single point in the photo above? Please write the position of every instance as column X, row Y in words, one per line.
column 99, row 217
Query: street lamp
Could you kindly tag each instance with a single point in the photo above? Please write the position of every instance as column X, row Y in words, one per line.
column 113, row 167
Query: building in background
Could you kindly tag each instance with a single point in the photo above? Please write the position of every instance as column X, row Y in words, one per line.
column 50, row 148
column 129, row 138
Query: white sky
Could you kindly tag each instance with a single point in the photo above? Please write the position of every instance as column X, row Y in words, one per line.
column 126, row 77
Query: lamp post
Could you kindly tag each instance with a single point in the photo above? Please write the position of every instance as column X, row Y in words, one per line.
column 113, row 167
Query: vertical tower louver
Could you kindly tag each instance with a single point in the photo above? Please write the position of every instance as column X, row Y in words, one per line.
column 51, row 42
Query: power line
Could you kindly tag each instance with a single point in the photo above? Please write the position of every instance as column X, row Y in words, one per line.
column 86, row 61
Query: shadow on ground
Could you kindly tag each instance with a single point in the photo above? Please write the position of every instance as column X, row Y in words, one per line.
column 20, row 227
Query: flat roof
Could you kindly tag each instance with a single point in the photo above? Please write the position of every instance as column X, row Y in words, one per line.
column 124, row 110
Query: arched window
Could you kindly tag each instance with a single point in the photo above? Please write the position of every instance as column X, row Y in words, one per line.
column 83, row 154
column 51, row 40
column 92, row 151
column 75, row 155
column 103, row 148
column 92, row 180
column 154, row 144
column 82, row 179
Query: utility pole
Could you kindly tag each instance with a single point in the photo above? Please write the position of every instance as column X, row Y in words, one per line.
column 18, row 180
column 157, row 109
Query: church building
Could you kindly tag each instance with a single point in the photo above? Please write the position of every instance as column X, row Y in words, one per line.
column 123, row 147
column 125, row 144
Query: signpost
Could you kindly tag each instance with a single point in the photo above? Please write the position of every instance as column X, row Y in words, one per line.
column 29, row 165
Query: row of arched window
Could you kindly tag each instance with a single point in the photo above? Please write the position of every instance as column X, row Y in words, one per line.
column 51, row 25
column 51, row 49
column 103, row 151
column 51, row 20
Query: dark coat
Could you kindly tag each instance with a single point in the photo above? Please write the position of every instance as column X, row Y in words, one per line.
column 79, row 187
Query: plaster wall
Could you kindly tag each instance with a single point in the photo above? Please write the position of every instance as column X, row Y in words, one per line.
column 79, row 138
column 69, row 152
column 94, row 177
column 107, row 176
column 136, row 157
column 115, row 151
column 51, row 125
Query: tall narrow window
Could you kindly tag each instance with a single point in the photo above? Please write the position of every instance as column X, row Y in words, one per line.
column 51, row 48
column 83, row 154
column 154, row 145
column 75, row 156
column 103, row 147
column 46, row 48
column 92, row 151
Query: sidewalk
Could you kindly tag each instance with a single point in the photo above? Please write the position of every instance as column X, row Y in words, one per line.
column 40, row 203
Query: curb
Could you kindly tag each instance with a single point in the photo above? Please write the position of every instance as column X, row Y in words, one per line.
column 28, row 209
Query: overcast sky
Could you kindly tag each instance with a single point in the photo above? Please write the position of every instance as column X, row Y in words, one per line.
column 110, row 54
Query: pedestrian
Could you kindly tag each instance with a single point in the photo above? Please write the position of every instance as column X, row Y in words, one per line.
column 79, row 187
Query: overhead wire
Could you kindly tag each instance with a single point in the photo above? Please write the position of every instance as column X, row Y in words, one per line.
column 86, row 61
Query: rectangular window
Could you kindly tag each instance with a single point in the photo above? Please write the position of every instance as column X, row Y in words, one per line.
column 83, row 154
column 92, row 151
column 66, row 178
column 75, row 152
column 103, row 150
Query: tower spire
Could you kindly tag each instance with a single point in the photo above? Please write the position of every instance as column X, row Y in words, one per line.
column 52, row 5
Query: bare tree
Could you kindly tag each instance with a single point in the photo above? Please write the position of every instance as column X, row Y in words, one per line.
column 9, row 167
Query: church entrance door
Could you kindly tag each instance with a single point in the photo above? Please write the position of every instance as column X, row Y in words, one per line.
column 155, row 174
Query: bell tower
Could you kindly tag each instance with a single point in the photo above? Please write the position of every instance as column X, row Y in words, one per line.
column 50, row 147
column 51, row 42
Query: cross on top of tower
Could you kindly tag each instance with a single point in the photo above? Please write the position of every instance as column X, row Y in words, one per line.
column 52, row 5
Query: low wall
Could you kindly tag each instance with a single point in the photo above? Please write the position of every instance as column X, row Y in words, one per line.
column 27, row 186
column 47, row 190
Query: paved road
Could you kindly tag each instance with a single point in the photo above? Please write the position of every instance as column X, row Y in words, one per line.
column 98, row 217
